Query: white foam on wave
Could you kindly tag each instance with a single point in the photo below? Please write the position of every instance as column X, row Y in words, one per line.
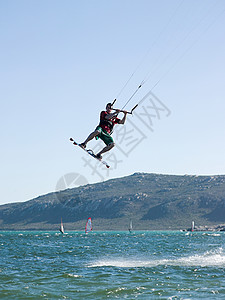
column 215, row 258
column 74, row 275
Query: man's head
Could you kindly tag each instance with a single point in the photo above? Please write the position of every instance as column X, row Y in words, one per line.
column 109, row 107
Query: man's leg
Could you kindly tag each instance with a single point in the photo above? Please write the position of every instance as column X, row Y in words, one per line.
column 89, row 138
column 108, row 140
column 107, row 148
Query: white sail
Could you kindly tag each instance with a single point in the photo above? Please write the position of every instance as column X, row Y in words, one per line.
column 131, row 226
column 61, row 229
column 192, row 226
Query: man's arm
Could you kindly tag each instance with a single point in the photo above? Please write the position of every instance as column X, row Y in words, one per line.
column 122, row 121
column 113, row 115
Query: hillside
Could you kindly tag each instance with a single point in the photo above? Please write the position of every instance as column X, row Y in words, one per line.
column 152, row 201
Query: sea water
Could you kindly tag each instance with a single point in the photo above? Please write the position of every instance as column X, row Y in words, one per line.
column 112, row 265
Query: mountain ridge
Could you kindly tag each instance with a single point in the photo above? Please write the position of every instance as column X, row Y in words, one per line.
column 152, row 201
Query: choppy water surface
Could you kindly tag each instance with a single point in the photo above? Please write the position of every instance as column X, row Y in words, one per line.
column 112, row 265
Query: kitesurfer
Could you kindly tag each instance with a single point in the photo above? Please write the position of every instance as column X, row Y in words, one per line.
column 105, row 128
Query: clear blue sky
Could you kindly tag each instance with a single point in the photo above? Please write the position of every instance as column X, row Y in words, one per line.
column 62, row 61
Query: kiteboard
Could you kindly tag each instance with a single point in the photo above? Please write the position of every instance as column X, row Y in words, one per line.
column 90, row 152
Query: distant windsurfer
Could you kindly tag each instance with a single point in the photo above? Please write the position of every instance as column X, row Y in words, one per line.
column 105, row 128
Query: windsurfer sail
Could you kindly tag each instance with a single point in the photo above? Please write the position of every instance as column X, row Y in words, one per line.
column 61, row 229
column 130, row 227
column 88, row 226
column 192, row 226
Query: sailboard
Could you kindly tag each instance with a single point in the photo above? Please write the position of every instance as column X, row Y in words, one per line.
column 88, row 226
column 192, row 226
column 61, row 229
column 130, row 227
column 90, row 152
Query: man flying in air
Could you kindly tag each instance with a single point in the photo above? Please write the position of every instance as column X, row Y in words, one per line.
column 105, row 128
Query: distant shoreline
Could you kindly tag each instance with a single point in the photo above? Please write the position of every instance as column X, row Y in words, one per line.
column 215, row 228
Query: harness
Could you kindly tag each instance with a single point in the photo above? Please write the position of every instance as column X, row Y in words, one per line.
column 107, row 123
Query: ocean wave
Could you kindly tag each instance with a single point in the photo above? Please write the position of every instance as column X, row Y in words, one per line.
column 215, row 258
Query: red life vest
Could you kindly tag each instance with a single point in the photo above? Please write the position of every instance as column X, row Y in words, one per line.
column 107, row 125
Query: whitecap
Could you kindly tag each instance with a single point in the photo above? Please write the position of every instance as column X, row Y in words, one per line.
column 74, row 275
column 215, row 258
